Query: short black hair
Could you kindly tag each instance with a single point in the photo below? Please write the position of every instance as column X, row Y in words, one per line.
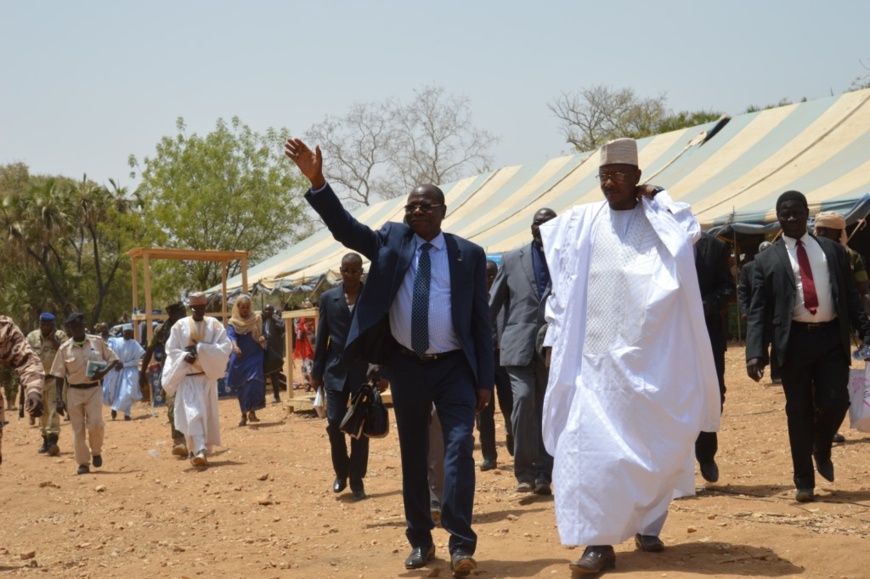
column 792, row 196
column 352, row 256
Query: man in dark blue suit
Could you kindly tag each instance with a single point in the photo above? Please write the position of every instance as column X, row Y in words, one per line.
column 340, row 380
column 424, row 313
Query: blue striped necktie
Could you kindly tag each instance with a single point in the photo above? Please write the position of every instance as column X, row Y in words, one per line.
column 420, row 303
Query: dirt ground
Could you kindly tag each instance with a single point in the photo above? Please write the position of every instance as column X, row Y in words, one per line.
column 265, row 507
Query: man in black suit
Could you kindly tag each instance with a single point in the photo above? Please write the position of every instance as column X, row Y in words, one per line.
column 273, row 362
column 423, row 312
column 341, row 381
column 486, row 419
column 744, row 300
column 717, row 286
column 803, row 286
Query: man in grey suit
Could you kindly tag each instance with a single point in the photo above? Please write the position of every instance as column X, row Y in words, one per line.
column 804, row 286
column 336, row 307
column 521, row 289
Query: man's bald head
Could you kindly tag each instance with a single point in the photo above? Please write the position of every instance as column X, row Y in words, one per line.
column 541, row 216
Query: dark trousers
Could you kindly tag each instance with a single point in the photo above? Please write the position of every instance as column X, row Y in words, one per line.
column 278, row 381
column 532, row 462
column 354, row 466
column 449, row 383
column 707, row 443
column 815, row 377
column 486, row 419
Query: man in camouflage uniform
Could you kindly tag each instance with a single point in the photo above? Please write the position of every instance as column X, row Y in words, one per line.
column 156, row 348
column 15, row 352
column 46, row 342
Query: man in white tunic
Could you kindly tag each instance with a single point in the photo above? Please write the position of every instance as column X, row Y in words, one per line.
column 196, row 356
column 632, row 379
column 121, row 385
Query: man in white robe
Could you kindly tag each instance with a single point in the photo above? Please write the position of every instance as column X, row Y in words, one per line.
column 632, row 379
column 121, row 385
column 196, row 356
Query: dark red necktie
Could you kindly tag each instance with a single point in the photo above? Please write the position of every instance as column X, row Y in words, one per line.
column 811, row 300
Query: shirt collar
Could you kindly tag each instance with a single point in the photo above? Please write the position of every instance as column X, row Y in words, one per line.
column 790, row 241
column 437, row 242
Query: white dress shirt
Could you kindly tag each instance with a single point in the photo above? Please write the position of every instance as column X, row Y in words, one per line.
column 821, row 277
column 442, row 337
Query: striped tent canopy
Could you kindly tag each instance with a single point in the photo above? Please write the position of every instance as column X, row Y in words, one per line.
column 730, row 171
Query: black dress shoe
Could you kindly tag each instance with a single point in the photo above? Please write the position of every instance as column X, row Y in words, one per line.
column 649, row 543
column 488, row 464
column 595, row 559
column 419, row 557
column 709, row 470
column 339, row 485
column 839, row 437
column 358, row 490
column 98, row 460
column 804, row 496
column 462, row 563
column 543, row 488
column 825, row 468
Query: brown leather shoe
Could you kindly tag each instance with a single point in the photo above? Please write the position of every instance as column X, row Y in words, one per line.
column 649, row 543
column 595, row 559
column 462, row 563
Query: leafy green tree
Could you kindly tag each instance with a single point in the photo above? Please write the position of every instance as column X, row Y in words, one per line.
column 66, row 242
column 230, row 189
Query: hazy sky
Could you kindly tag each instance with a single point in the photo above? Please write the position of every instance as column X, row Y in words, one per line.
column 86, row 84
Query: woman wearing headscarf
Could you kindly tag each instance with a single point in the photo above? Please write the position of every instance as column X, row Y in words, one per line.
column 245, row 370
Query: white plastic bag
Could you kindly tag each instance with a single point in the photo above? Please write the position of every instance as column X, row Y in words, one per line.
column 859, row 396
column 320, row 403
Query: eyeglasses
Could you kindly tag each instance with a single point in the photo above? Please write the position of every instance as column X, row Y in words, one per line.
column 616, row 176
column 424, row 207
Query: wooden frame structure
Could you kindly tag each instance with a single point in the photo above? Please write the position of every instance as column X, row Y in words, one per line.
column 147, row 254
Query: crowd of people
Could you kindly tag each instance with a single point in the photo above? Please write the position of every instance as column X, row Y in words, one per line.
column 602, row 340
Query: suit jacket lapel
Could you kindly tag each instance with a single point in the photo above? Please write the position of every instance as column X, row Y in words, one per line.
column 528, row 265
column 831, row 258
column 406, row 254
column 341, row 303
column 454, row 262
column 782, row 254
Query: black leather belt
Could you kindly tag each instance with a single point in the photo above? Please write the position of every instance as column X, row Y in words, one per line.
column 83, row 386
column 426, row 357
column 197, row 374
column 814, row 327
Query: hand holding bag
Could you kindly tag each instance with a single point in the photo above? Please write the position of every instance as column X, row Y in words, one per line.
column 377, row 424
column 355, row 417
column 320, row 402
column 859, row 396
